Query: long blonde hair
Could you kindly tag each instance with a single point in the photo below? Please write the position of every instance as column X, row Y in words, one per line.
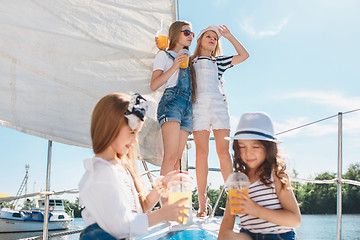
column 106, row 122
column 198, row 47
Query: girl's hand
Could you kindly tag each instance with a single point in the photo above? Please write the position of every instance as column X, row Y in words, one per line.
column 225, row 32
column 157, row 42
column 179, row 59
column 168, row 177
column 174, row 211
column 247, row 205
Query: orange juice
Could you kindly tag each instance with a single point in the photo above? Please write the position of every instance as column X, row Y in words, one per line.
column 232, row 193
column 163, row 42
column 175, row 196
column 185, row 63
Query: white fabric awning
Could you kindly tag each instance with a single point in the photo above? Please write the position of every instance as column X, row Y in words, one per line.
column 58, row 58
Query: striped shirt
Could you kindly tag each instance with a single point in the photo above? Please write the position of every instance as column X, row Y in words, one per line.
column 266, row 197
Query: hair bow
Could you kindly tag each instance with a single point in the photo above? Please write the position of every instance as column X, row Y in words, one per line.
column 138, row 108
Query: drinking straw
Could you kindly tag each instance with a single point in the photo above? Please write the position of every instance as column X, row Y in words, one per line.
column 180, row 177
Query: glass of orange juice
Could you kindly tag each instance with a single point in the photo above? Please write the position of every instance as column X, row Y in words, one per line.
column 236, row 182
column 181, row 186
column 185, row 63
column 162, row 36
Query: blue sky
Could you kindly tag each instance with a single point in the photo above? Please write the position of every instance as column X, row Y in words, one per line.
column 303, row 67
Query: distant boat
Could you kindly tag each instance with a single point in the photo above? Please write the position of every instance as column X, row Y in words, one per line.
column 33, row 220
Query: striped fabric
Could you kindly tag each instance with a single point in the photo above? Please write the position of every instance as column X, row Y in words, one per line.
column 223, row 63
column 266, row 197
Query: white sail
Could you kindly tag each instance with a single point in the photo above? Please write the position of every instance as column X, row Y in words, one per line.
column 58, row 58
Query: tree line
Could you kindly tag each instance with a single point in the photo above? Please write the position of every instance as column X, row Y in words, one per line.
column 312, row 198
column 322, row 198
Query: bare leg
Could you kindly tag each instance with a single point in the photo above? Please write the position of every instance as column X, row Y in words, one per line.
column 174, row 141
column 222, row 149
column 201, row 139
column 182, row 142
column 171, row 135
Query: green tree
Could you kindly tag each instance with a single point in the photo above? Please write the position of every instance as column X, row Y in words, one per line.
column 322, row 198
column 73, row 208
column 212, row 195
column 351, row 193
column 318, row 198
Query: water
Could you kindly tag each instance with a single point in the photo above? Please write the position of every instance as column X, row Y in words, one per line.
column 321, row 227
column 78, row 223
column 313, row 227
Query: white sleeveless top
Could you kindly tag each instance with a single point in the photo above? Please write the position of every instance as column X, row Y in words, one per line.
column 266, row 197
column 209, row 72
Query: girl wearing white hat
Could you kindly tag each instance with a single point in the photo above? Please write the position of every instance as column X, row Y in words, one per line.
column 210, row 109
column 270, row 210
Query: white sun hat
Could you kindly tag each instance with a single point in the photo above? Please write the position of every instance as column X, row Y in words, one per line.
column 210, row 28
column 254, row 126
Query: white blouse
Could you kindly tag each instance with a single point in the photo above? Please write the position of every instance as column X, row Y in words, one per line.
column 108, row 193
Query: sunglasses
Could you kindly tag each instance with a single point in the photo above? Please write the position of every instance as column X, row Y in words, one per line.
column 188, row 32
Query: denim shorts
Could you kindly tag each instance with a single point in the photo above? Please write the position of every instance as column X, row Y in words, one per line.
column 175, row 105
column 94, row 232
column 281, row 236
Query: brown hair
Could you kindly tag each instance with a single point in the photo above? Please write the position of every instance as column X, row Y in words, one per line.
column 273, row 162
column 174, row 34
column 175, row 31
column 106, row 122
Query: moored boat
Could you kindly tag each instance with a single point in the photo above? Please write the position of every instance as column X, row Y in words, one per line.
column 33, row 220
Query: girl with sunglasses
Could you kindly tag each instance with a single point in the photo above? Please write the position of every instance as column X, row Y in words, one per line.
column 174, row 110
column 210, row 109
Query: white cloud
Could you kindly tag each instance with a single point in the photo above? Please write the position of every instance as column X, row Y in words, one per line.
column 248, row 26
column 333, row 100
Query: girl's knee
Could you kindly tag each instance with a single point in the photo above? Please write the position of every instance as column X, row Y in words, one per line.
column 202, row 155
column 171, row 158
column 224, row 154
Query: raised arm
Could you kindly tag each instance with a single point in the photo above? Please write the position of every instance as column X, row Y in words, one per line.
column 242, row 52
